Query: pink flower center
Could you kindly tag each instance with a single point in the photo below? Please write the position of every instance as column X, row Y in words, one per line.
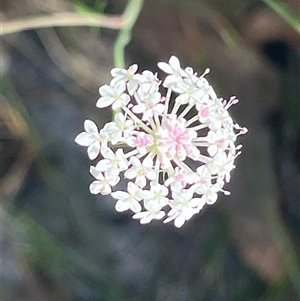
column 174, row 139
column 143, row 141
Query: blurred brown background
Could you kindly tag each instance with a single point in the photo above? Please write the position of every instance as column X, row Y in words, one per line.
column 61, row 243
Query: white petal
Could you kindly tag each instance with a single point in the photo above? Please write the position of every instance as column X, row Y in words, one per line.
column 171, row 216
column 140, row 215
column 174, row 62
column 119, row 195
column 146, row 194
column 96, row 173
column 116, row 137
column 188, row 213
column 104, row 101
column 135, row 206
column 211, row 199
column 179, row 221
column 182, row 99
column 159, row 108
column 93, row 150
column 115, row 179
column 201, row 203
column 151, row 175
column 98, row 187
column 106, row 90
column 114, row 81
column 84, row 139
column 139, row 108
column 135, row 162
column 165, row 67
column 141, row 181
column 117, row 105
column 117, row 72
column 103, row 165
column 133, row 68
column 148, row 162
column 130, row 174
column 95, row 187
column 123, row 164
column 146, row 220
column 119, row 87
column 107, row 153
column 212, row 150
column 121, row 206
column 132, row 188
column 125, row 98
column 90, row 127
column 119, row 118
column 106, row 189
column 110, row 127
column 170, row 80
column 160, row 215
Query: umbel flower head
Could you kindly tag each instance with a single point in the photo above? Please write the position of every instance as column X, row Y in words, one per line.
column 175, row 155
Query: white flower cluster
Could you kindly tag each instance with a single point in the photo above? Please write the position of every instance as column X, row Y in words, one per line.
column 174, row 165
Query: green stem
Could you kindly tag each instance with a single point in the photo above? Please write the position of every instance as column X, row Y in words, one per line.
column 129, row 16
column 283, row 10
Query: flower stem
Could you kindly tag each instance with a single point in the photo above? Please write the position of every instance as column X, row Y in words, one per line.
column 168, row 96
column 182, row 165
column 190, row 121
column 186, row 110
column 130, row 16
column 137, row 120
column 199, row 127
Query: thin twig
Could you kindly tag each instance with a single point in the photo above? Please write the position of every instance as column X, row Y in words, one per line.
column 61, row 19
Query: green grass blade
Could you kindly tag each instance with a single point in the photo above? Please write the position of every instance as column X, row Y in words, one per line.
column 283, row 10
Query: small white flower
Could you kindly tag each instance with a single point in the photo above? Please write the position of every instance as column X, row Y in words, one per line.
column 209, row 194
column 113, row 162
column 104, row 181
column 188, row 91
column 128, row 76
column 202, row 179
column 220, row 118
column 119, row 130
column 113, row 95
column 148, row 104
column 173, row 69
column 184, row 206
column 128, row 200
column 151, row 143
column 179, row 178
column 218, row 141
column 141, row 171
column 149, row 83
column 153, row 211
column 91, row 138
column 157, row 193
column 222, row 164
